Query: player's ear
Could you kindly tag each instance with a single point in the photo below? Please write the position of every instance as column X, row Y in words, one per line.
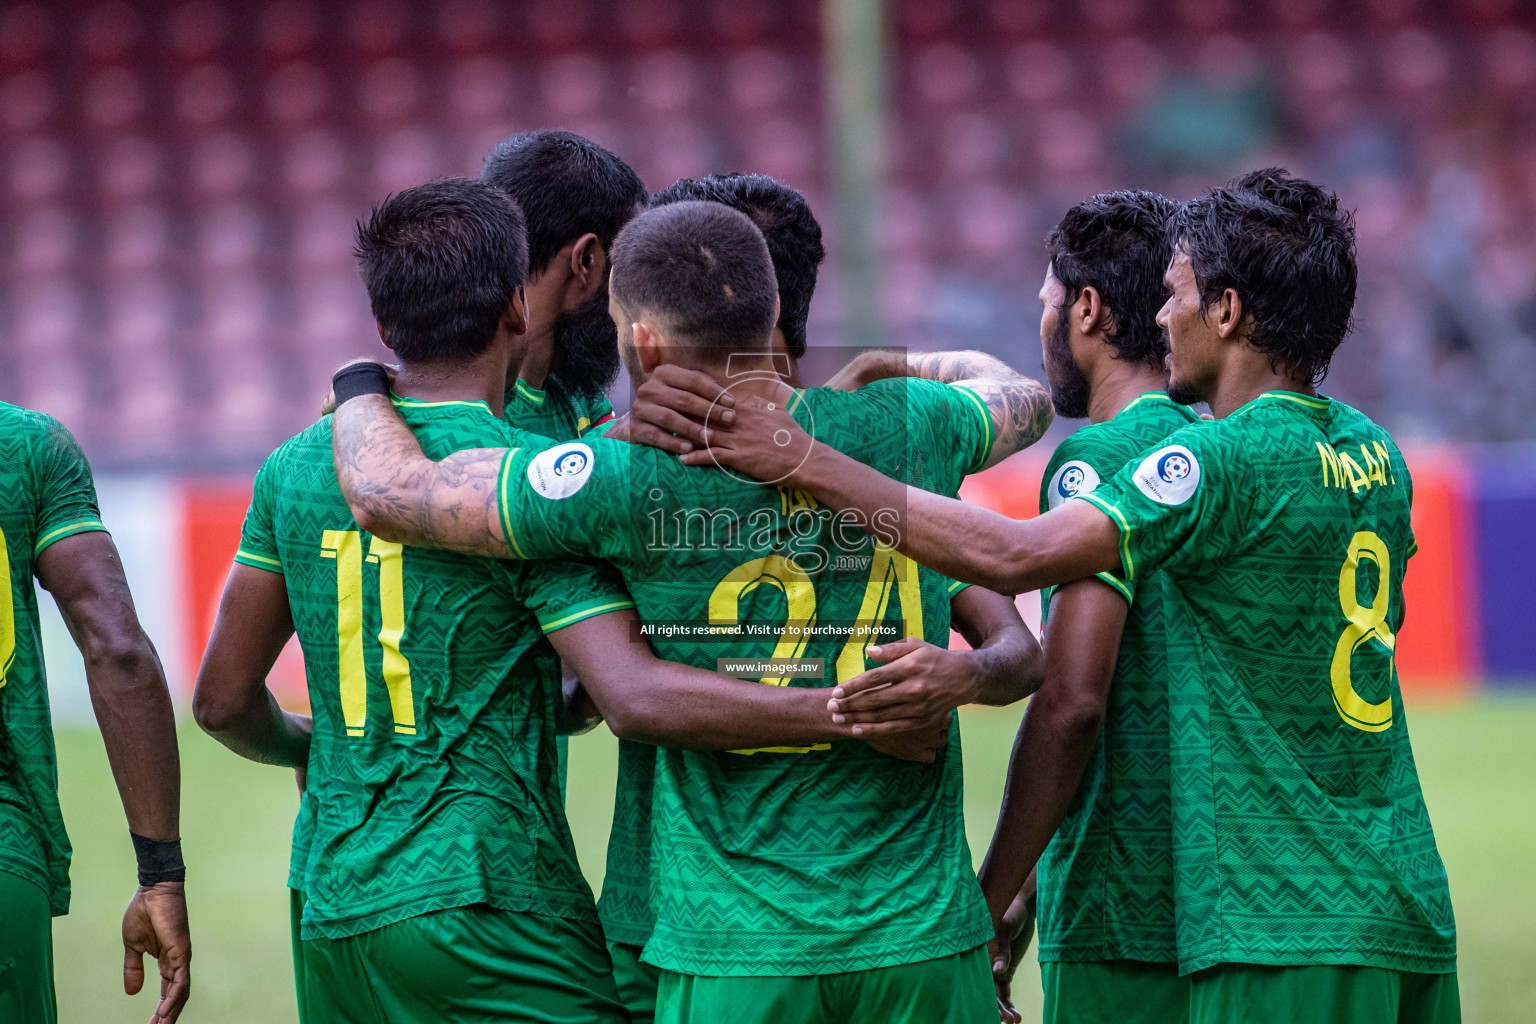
column 1092, row 314
column 516, row 317
column 648, row 346
column 1229, row 314
column 589, row 266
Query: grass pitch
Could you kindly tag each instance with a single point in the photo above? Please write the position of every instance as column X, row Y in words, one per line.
column 1477, row 760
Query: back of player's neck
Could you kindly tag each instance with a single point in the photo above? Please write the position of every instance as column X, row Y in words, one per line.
column 452, row 382
column 1121, row 385
column 1240, row 389
column 531, row 365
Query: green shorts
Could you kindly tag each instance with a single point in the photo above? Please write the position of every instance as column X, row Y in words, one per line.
column 1123, row 991
column 562, row 763
column 1251, row 994
column 295, row 919
column 636, row 980
column 954, row 989
column 470, row 964
column 26, row 953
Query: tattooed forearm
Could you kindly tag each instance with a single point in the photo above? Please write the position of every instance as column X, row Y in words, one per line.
column 953, row 367
column 1021, row 408
column 944, row 367
column 398, row 494
column 1021, row 413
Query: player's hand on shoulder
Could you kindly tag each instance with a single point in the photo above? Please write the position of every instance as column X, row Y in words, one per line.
column 761, row 440
column 917, row 680
column 329, row 405
column 155, row 922
column 670, row 409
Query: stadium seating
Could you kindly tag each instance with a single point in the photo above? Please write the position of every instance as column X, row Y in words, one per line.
column 179, row 180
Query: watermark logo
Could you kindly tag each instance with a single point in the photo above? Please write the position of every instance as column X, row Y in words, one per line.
column 744, row 368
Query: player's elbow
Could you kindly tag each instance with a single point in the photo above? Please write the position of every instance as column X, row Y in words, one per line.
column 1025, row 678
column 217, row 706
column 1077, row 717
column 631, row 712
column 118, row 656
column 1007, row 569
column 631, row 720
column 381, row 524
column 369, row 519
column 212, row 712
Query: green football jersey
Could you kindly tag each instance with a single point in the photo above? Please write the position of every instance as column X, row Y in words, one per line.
column 779, row 862
column 1300, row 831
column 432, row 778
column 1105, row 882
column 560, row 415
column 555, row 412
column 46, row 494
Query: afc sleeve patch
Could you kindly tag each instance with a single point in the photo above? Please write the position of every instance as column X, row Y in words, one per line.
column 561, row 471
column 1169, row 476
column 1073, row 480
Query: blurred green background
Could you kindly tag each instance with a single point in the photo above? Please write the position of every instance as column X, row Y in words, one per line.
column 1477, row 760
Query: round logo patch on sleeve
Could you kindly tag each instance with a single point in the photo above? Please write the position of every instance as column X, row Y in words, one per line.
column 1169, row 475
column 561, row 471
column 1072, row 480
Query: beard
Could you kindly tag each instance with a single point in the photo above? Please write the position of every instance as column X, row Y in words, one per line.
column 586, row 348
column 1181, row 391
column 1069, row 386
column 1184, row 393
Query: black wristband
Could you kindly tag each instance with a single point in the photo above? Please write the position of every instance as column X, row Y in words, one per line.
column 359, row 379
column 159, row 860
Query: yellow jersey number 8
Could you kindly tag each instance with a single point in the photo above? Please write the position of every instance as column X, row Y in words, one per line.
column 1366, row 623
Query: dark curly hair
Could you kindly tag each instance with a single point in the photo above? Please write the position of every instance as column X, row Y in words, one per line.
column 442, row 262
column 1117, row 244
column 566, row 186
column 1286, row 248
column 792, row 232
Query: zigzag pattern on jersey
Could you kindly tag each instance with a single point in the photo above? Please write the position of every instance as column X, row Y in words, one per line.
column 559, row 416
column 1106, row 881
column 443, row 860
column 44, row 481
column 1299, row 839
column 467, row 808
column 762, row 861
column 627, row 906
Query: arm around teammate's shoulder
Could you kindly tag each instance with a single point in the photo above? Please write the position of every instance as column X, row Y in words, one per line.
column 962, row 541
column 397, row 493
column 1020, row 407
